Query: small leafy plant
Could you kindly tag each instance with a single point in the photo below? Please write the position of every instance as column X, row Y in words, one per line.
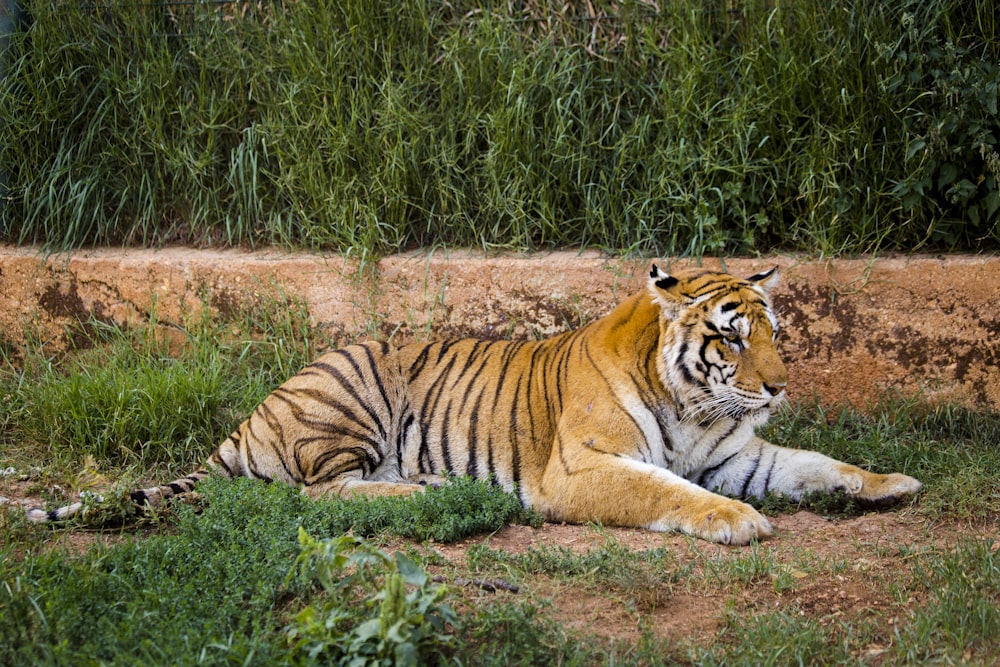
column 405, row 620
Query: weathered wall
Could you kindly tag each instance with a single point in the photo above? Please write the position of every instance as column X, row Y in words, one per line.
column 851, row 327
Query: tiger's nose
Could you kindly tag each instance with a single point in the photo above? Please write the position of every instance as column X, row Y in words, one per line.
column 775, row 389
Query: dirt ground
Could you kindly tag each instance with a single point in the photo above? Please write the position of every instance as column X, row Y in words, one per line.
column 830, row 569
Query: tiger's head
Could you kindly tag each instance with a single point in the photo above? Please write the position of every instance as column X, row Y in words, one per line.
column 717, row 337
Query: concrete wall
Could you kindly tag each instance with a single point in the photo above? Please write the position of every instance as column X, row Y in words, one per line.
column 852, row 328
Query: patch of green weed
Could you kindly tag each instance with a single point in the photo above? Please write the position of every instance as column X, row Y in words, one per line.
column 378, row 609
column 641, row 575
column 214, row 591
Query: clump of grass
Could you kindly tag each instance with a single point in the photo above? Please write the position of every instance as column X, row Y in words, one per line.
column 138, row 398
column 962, row 616
column 645, row 577
column 779, row 638
column 521, row 633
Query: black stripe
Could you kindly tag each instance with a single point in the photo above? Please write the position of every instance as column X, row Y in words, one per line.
column 474, row 353
column 486, row 357
column 749, row 477
column 490, row 465
column 445, row 346
column 428, row 413
column 373, row 365
column 275, row 424
column 508, row 356
column 767, row 480
column 561, row 359
column 365, row 431
column 471, row 467
column 417, row 367
column 401, row 437
column 357, row 457
column 532, row 407
column 722, row 439
column 515, row 451
column 445, row 439
column 682, row 353
column 323, row 396
column 345, row 353
column 707, row 472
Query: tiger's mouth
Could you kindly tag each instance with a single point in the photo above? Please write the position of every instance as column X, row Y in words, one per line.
column 709, row 408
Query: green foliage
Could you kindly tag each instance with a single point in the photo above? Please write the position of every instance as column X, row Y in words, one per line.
column 124, row 407
column 778, row 638
column 162, row 600
column 458, row 509
column 461, row 507
column 642, row 578
column 520, row 633
column 213, row 591
column 374, row 126
column 369, row 617
column 952, row 131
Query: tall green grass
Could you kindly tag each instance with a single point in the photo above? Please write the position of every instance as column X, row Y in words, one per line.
column 379, row 125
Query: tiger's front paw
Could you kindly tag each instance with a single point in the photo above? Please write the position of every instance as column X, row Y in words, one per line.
column 888, row 489
column 872, row 488
column 730, row 522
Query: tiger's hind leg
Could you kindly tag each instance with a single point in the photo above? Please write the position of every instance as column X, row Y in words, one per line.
column 351, row 484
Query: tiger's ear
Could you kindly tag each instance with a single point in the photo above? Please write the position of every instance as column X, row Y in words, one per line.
column 766, row 280
column 666, row 292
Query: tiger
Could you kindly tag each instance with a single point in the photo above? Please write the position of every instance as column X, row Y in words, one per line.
column 645, row 418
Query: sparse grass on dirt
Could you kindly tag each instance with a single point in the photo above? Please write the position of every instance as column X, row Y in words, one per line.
column 218, row 581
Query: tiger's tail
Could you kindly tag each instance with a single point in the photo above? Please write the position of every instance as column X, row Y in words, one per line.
column 224, row 461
